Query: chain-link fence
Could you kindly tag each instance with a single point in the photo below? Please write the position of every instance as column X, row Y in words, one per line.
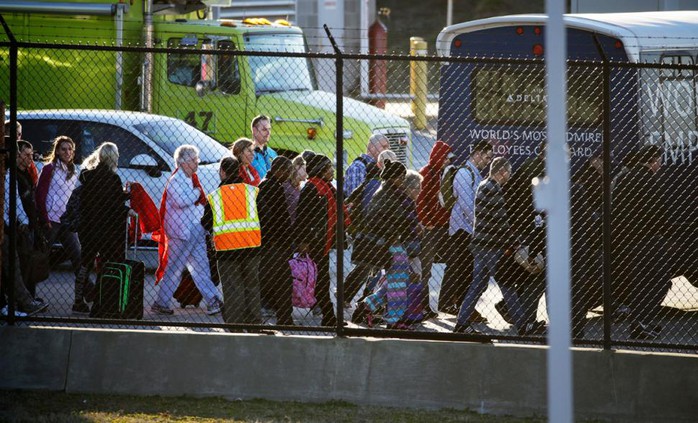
column 438, row 240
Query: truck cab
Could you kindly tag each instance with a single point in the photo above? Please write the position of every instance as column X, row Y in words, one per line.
column 195, row 79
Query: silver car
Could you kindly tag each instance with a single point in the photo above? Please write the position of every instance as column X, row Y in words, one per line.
column 146, row 142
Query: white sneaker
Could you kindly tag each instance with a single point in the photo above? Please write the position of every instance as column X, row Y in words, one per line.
column 215, row 307
column 5, row 311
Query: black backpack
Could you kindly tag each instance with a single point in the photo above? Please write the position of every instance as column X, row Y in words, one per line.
column 448, row 197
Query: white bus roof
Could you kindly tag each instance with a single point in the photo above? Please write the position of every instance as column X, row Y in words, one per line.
column 640, row 31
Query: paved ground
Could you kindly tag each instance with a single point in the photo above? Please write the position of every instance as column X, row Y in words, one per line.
column 679, row 320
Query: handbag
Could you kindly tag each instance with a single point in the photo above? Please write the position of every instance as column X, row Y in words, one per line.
column 35, row 261
column 304, row 273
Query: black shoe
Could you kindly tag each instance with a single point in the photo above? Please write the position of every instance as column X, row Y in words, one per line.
column 503, row 311
column 470, row 330
column 81, row 308
column 89, row 292
column 34, row 307
column 476, row 317
column 285, row 322
column 644, row 332
column 360, row 314
column 534, row 329
column 329, row 321
column 429, row 314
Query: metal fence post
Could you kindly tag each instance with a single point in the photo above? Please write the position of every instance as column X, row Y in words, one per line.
column 339, row 157
column 12, row 160
column 606, row 222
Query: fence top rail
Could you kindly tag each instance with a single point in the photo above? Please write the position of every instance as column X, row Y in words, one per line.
column 350, row 56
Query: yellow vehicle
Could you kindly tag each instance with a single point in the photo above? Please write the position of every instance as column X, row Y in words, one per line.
column 216, row 93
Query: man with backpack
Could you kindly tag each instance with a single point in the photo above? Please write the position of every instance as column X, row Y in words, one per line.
column 458, row 187
column 356, row 172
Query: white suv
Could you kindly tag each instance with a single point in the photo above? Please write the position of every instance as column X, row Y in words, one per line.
column 146, row 142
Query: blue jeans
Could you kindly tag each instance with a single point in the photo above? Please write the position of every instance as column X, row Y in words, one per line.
column 485, row 267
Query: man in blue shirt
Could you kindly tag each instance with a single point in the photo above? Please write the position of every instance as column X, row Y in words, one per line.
column 263, row 154
column 356, row 172
column 459, row 267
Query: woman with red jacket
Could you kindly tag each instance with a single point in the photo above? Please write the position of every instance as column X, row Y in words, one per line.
column 432, row 214
column 315, row 226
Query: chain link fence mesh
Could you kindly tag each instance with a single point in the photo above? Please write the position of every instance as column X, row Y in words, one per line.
column 408, row 264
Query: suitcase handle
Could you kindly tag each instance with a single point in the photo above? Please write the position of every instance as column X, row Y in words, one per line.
column 135, row 238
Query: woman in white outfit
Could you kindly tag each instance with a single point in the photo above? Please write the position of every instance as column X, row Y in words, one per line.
column 183, row 202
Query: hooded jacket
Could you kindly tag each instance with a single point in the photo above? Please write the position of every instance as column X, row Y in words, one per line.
column 429, row 211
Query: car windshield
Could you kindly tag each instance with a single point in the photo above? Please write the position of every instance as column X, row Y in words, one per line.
column 170, row 134
column 277, row 74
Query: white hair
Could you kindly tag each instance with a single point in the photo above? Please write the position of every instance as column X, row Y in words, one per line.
column 386, row 155
column 107, row 153
column 185, row 152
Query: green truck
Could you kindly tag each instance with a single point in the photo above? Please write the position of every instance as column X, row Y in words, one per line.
column 217, row 93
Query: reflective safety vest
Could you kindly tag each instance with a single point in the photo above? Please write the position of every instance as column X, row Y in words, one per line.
column 235, row 218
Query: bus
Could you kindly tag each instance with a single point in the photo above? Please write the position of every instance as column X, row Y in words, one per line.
column 505, row 101
column 651, row 62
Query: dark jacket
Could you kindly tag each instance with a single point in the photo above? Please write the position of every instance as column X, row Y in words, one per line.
column 102, row 210
column 388, row 221
column 311, row 220
column 639, row 207
column 492, row 227
column 525, row 220
column 274, row 216
column 387, row 216
column 27, row 193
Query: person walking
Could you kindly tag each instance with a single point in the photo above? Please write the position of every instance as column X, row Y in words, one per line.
column 459, row 263
column 231, row 216
column 389, row 223
column 639, row 227
column 492, row 238
column 316, row 220
column 277, row 239
column 182, row 238
column 103, row 215
column 432, row 215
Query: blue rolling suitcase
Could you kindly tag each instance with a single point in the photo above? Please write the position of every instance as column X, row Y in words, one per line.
column 119, row 290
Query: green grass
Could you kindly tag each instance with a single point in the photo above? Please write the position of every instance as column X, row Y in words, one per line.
column 44, row 407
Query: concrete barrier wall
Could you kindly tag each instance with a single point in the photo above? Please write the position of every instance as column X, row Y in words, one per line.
column 620, row 386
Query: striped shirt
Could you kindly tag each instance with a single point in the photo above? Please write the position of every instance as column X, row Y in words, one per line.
column 492, row 228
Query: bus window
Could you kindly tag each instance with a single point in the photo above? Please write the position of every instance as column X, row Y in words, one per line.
column 516, row 96
column 228, row 71
column 183, row 69
column 678, row 108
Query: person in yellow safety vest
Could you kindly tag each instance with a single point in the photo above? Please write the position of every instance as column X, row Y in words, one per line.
column 232, row 218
